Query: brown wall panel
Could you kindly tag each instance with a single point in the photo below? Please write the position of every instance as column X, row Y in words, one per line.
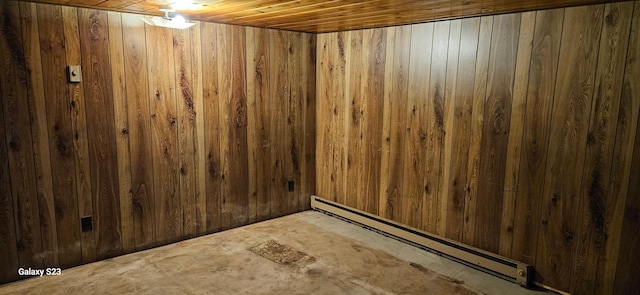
column 101, row 130
column 145, row 144
column 120, row 110
column 505, row 120
column 61, row 133
column 18, row 145
column 565, row 155
column 8, row 246
column 628, row 258
column 40, row 133
column 139, row 119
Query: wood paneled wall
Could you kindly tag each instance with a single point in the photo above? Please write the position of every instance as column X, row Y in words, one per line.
column 171, row 134
column 515, row 133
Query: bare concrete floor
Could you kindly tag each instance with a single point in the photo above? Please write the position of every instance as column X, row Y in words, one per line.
column 304, row 253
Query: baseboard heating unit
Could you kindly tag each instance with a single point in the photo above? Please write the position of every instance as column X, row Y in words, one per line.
column 518, row 272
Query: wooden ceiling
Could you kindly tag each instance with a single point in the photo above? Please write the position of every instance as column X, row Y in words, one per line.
column 317, row 16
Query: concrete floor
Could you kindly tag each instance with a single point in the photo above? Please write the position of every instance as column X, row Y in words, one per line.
column 304, row 253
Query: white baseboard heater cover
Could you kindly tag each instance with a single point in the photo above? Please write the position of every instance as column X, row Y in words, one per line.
column 518, row 272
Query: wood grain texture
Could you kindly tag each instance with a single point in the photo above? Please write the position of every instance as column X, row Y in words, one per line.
column 338, row 118
column 565, row 157
column 147, row 169
column 101, row 130
column 373, row 111
column 415, row 118
column 211, row 125
column 453, row 51
column 495, row 130
column 398, row 49
column 224, row 43
column 279, row 92
column 536, row 129
column 477, row 120
column 259, row 77
column 309, row 184
column 18, row 142
column 598, row 208
column 164, row 121
column 506, row 105
column 329, row 16
column 120, row 110
column 435, row 129
column 186, row 129
column 140, row 145
column 462, row 104
column 512, row 165
column 625, row 280
column 252, row 131
column 238, row 175
column 353, row 86
column 8, row 245
column 61, row 133
column 39, row 132
column 198, row 108
column 294, row 125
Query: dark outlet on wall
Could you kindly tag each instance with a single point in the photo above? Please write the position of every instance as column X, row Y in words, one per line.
column 87, row 223
column 291, row 185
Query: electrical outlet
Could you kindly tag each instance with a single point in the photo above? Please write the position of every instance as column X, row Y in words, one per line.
column 87, row 223
column 291, row 185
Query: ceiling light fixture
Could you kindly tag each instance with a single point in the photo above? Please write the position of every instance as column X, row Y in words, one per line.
column 169, row 20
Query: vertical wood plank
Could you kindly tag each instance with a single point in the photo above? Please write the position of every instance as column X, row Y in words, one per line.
column 39, row 132
column 514, row 148
column 164, row 121
column 309, row 166
column 224, row 89
column 19, row 145
column 120, row 108
column 140, row 143
column 238, row 174
column 200, row 151
column 597, row 220
column 416, row 130
column 461, row 127
column 435, row 129
column 628, row 184
column 61, row 133
column 8, row 245
column 339, row 170
column 186, row 129
column 386, row 122
column 399, row 50
column 563, row 183
column 536, row 128
column 212, row 127
column 279, row 94
column 253, row 145
column 262, row 116
column 373, row 111
column 361, row 131
column 294, row 122
column 103, row 157
column 324, row 151
column 477, row 121
column 79, row 124
column 495, row 130
column 448, row 112
column 354, row 109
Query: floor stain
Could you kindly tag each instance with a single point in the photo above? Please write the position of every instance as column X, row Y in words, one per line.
column 282, row 254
